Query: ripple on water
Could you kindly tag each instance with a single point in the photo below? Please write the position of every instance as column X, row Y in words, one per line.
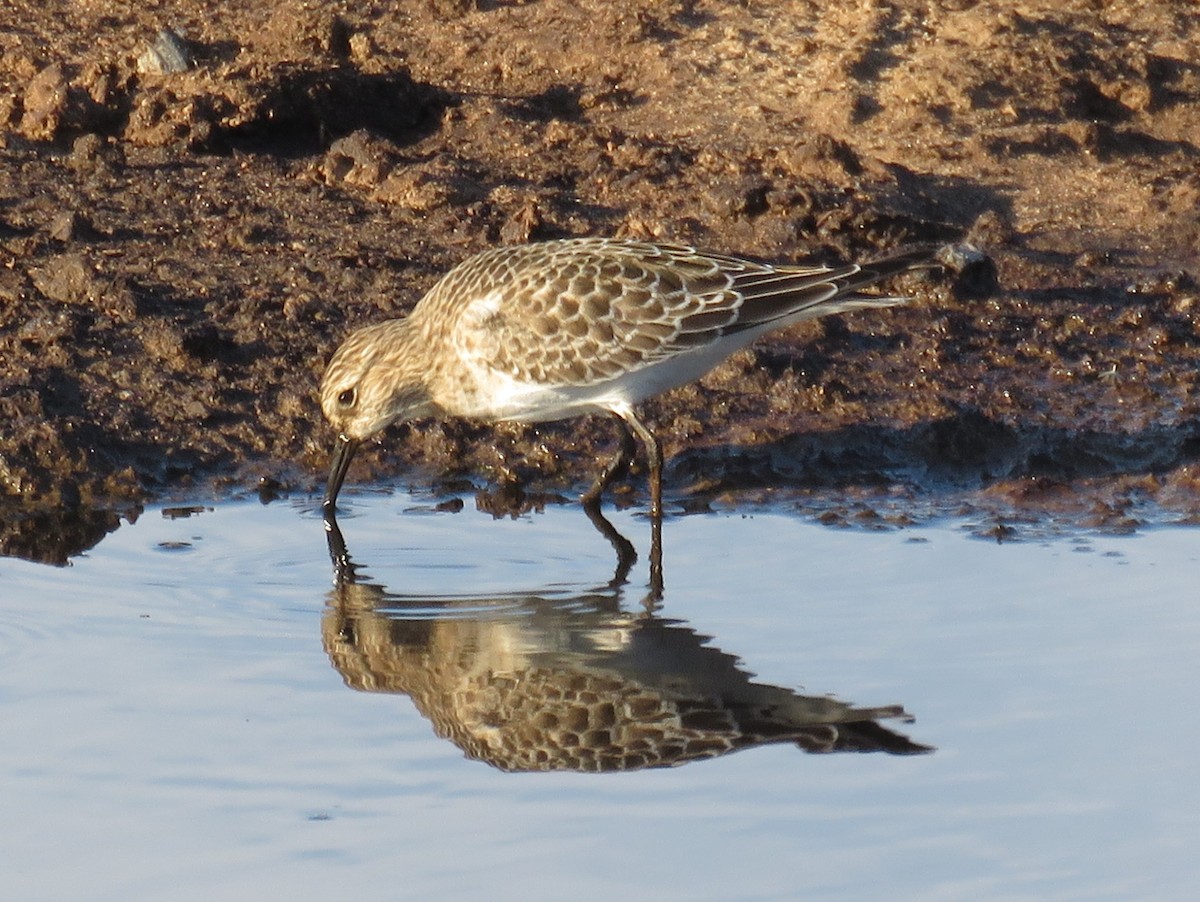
column 24, row 630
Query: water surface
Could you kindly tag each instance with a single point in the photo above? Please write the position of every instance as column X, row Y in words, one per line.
column 193, row 711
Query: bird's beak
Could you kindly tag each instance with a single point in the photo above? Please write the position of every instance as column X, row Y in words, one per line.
column 343, row 453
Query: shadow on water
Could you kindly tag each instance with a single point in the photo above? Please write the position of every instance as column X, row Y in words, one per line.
column 575, row 681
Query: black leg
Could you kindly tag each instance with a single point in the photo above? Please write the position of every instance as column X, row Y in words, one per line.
column 615, row 470
column 653, row 458
column 631, row 426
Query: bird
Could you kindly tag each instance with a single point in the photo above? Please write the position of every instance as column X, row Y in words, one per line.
column 557, row 329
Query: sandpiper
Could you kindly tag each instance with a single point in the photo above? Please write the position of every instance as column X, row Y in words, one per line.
column 559, row 329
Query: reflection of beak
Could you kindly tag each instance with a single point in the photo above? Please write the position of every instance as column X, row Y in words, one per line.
column 343, row 453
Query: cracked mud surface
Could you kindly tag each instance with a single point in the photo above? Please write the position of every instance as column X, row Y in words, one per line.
column 180, row 252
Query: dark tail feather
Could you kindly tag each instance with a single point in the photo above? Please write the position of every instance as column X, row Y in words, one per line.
column 800, row 292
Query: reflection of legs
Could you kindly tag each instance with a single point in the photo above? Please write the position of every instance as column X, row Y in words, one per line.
column 656, row 570
column 615, row 470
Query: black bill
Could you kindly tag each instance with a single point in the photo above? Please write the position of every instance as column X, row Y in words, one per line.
column 343, row 453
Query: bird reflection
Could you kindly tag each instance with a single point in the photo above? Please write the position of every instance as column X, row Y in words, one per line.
column 542, row 682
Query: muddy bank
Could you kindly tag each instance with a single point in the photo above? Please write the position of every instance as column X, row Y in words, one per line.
column 180, row 251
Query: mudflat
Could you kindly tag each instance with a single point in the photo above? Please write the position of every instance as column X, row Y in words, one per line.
column 199, row 201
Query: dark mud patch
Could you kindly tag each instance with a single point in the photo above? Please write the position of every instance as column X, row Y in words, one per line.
column 180, row 251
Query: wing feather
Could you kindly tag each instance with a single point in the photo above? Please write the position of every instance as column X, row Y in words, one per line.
column 582, row 311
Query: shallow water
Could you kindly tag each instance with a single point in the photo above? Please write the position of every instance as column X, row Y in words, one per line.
column 180, row 723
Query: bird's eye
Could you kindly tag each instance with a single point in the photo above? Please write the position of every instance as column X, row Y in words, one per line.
column 347, row 398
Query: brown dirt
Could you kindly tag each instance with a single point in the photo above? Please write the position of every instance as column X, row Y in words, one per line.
column 180, row 253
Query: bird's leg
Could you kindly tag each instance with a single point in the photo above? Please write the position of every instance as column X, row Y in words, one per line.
column 653, row 458
column 615, row 470
column 631, row 426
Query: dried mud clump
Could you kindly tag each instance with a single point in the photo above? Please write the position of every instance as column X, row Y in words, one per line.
column 195, row 210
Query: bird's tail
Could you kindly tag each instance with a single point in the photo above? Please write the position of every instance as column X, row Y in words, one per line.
column 779, row 295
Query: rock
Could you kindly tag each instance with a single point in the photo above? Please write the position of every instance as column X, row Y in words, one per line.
column 45, row 104
column 168, row 54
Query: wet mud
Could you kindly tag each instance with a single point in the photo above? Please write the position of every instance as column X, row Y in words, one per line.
column 191, row 220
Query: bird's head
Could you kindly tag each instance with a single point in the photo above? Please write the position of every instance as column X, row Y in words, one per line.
column 372, row 381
